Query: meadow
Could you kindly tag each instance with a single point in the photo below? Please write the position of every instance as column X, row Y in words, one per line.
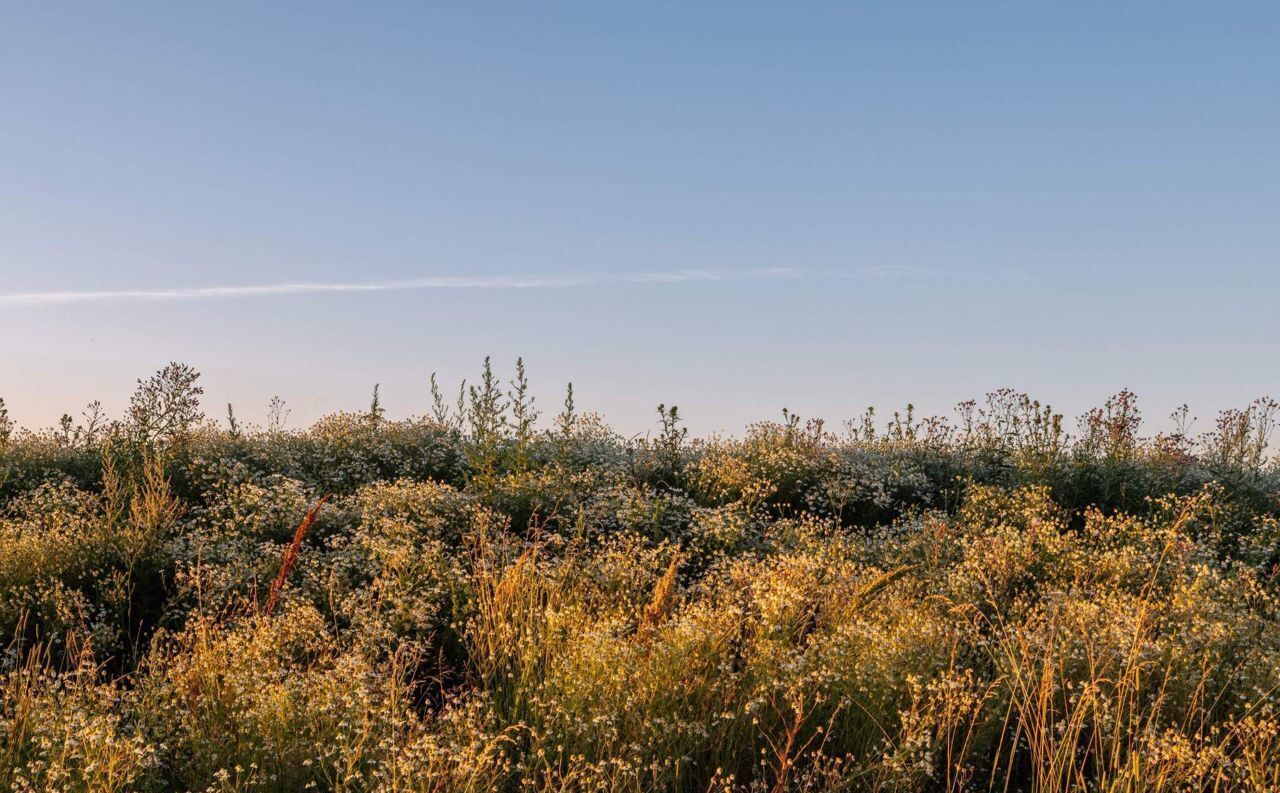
column 500, row 597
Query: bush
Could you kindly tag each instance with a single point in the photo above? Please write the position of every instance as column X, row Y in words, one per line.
column 481, row 605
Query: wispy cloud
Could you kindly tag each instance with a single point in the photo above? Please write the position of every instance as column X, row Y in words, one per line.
column 918, row 273
column 63, row 297
column 59, row 297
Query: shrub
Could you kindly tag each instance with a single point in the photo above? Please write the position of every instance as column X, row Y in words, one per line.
column 913, row 606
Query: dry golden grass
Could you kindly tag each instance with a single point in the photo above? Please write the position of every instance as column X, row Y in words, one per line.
column 991, row 606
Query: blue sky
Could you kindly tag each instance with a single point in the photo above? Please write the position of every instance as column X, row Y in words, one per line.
column 732, row 207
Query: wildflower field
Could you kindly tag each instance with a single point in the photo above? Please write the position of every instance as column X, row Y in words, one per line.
column 498, row 597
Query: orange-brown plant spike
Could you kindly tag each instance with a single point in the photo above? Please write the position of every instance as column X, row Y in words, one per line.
column 291, row 554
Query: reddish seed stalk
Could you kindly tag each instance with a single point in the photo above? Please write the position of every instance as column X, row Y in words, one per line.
column 291, row 554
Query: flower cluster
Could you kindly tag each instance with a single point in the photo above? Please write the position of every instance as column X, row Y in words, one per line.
column 479, row 606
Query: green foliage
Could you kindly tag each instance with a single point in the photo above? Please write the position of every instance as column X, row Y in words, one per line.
column 6, row 431
column 68, row 730
column 166, row 406
column 523, row 418
column 484, row 604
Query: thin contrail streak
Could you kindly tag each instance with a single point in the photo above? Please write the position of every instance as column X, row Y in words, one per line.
column 878, row 273
column 439, row 282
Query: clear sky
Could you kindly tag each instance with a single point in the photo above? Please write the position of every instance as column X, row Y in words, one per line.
column 732, row 207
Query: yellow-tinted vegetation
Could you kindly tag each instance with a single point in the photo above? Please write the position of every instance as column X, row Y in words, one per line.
column 488, row 601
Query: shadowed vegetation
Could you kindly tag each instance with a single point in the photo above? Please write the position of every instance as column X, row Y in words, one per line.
column 490, row 599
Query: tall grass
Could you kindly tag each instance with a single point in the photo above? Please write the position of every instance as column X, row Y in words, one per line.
column 984, row 604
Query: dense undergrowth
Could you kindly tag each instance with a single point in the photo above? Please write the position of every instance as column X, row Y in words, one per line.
column 492, row 601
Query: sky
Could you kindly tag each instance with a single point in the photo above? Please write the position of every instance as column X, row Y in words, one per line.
column 732, row 207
